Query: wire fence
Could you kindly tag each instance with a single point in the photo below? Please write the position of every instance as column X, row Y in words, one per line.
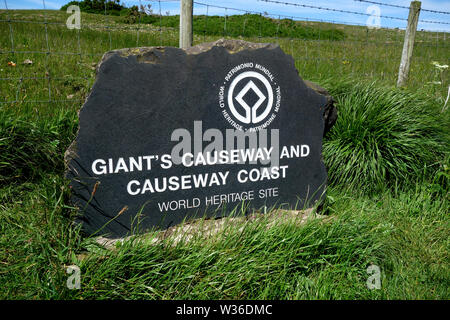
column 45, row 61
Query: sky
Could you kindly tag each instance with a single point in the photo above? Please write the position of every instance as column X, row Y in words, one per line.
column 276, row 9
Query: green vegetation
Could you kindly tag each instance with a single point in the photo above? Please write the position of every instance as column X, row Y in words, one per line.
column 30, row 148
column 404, row 232
column 112, row 7
column 388, row 160
column 247, row 25
column 384, row 137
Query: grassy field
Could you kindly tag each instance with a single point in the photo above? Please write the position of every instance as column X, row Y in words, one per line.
column 388, row 160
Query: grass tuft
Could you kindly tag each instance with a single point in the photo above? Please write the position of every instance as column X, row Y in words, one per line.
column 383, row 137
column 30, row 147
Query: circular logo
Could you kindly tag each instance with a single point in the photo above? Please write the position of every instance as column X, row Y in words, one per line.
column 249, row 97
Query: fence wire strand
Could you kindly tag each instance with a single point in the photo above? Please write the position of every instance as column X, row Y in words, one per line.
column 402, row 7
column 68, row 58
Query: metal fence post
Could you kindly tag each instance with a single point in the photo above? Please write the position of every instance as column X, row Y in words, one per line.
column 186, row 13
column 413, row 19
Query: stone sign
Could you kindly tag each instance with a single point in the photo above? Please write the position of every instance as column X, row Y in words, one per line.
column 168, row 134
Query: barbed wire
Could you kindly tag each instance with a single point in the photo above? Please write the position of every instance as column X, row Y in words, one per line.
column 310, row 55
column 346, row 11
column 402, row 7
column 266, row 14
column 48, row 76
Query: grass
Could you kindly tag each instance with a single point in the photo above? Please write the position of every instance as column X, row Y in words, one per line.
column 246, row 25
column 63, row 60
column 384, row 137
column 387, row 156
column 405, row 234
column 30, row 148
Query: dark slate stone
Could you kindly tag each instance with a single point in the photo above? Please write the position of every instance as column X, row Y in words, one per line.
column 142, row 95
column 330, row 113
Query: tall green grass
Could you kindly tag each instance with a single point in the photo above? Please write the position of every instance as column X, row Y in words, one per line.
column 405, row 234
column 30, row 147
column 384, row 137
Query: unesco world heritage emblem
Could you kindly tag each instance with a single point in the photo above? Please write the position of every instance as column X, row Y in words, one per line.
column 250, row 100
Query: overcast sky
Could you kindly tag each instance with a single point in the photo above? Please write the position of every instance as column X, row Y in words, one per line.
column 279, row 9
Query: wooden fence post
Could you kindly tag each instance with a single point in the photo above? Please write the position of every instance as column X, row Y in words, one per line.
column 408, row 44
column 186, row 13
